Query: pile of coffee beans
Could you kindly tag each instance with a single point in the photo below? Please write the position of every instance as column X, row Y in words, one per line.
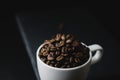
column 63, row 51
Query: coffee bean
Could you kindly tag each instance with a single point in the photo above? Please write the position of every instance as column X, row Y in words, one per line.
column 63, row 37
column 57, row 53
column 47, row 41
column 68, row 36
column 58, row 36
column 63, row 49
column 68, row 41
column 56, row 65
column 78, row 54
column 75, row 43
column 43, row 59
column 47, row 62
column 59, row 58
column 52, row 49
column 69, row 49
column 52, row 54
column 63, row 66
column 45, row 53
column 71, row 59
column 50, row 57
column 61, row 43
column 77, row 60
column 42, row 50
column 68, row 66
column 52, row 40
column 66, row 62
column 51, row 64
column 64, row 54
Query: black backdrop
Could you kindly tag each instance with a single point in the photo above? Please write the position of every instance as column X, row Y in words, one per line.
column 14, row 61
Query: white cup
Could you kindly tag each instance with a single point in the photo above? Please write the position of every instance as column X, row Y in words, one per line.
column 47, row 72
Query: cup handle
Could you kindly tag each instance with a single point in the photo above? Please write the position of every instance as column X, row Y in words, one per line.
column 99, row 52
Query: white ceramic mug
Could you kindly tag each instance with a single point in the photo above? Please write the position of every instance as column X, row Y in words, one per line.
column 47, row 72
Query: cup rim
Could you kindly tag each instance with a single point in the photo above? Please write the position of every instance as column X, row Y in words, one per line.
column 62, row 69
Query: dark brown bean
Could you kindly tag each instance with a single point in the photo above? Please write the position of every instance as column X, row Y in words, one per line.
column 51, row 64
column 68, row 36
column 71, row 59
column 47, row 62
column 63, row 37
column 66, row 62
column 43, row 59
column 68, row 41
column 53, row 49
column 63, row 66
column 68, row 66
column 59, row 58
column 50, row 57
column 75, row 43
column 64, row 54
column 61, row 43
column 42, row 50
column 45, row 53
column 52, row 40
column 63, row 49
column 77, row 60
column 47, row 41
column 58, row 36
column 57, row 53
column 78, row 54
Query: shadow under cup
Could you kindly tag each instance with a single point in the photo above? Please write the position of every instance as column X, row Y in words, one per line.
column 47, row 72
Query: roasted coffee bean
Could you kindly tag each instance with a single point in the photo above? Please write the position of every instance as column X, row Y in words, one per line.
column 58, row 36
column 63, row 66
column 78, row 54
column 52, row 53
column 57, row 49
column 43, row 59
column 64, row 54
column 68, row 66
column 45, row 53
column 50, row 57
column 47, row 41
column 77, row 60
column 52, row 49
column 75, row 43
column 61, row 43
column 63, row 37
column 47, row 62
column 69, row 49
column 51, row 64
column 52, row 40
column 63, row 49
column 71, row 59
column 68, row 41
column 59, row 58
column 57, row 45
column 57, row 53
column 56, row 65
column 66, row 62
column 68, row 45
column 68, row 36
column 42, row 50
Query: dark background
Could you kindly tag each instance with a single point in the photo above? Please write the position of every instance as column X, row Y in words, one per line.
column 14, row 61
